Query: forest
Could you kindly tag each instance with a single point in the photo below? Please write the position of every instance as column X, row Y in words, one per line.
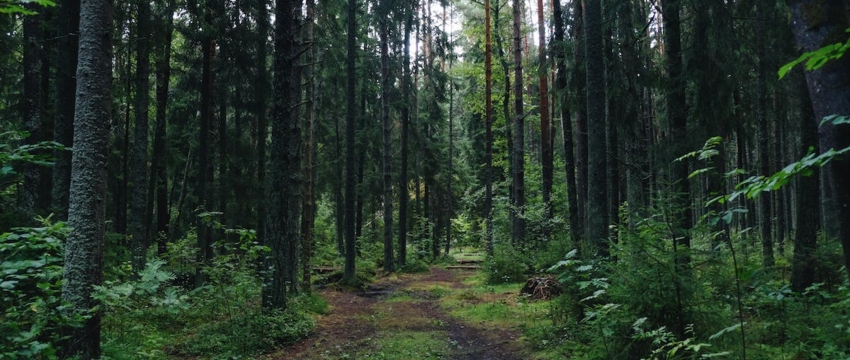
column 424, row 179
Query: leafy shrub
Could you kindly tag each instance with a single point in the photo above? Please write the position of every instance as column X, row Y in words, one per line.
column 252, row 332
column 505, row 267
column 34, row 314
column 311, row 303
column 414, row 266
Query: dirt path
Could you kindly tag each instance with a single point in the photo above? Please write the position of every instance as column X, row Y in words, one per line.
column 401, row 318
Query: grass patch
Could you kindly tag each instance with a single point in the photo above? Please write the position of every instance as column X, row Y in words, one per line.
column 404, row 345
column 250, row 333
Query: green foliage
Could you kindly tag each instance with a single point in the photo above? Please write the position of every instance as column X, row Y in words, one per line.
column 33, row 154
column 138, row 312
column 666, row 347
column 154, row 315
column 414, row 266
column 251, row 332
column 34, row 314
column 17, row 7
column 816, row 59
column 753, row 186
column 12, row 156
column 506, row 266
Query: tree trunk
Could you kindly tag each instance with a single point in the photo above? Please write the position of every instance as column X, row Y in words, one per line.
column 450, row 177
column 261, row 89
column 579, row 86
column 488, row 114
column 566, row 123
column 597, row 197
column 675, row 89
column 766, row 218
column 138, row 221
column 159, row 168
column 360, row 143
column 66, row 83
column 351, row 111
column 803, row 262
column 387, row 140
column 308, row 205
column 208, row 48
column 404, row 189
column 284, row 182
column 816, row 24
column 519, row 131
column 87, row 212
column 545, row 126
column 507, row 113
column 339, row 208
column 31, row 110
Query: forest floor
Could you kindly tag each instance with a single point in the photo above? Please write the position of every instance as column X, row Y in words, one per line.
column 441, row 314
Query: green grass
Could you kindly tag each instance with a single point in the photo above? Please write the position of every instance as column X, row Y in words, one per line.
column 404, row 345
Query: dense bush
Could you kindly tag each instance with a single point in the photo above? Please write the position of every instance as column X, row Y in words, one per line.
column 505, row 266
column 33, row 313
column 248, row 333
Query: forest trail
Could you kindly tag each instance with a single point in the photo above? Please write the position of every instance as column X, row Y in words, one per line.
column 400, row 317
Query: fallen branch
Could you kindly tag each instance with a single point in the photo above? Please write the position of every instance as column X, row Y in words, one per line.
column 464, row 267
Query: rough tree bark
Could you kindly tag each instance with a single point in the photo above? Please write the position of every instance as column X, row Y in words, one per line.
column 87, row 211
column 283, row 187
